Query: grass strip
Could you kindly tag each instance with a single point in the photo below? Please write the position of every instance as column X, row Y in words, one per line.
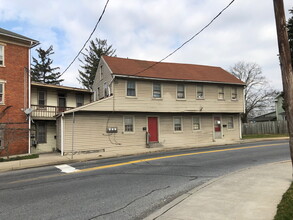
column 250, row 136
column 285, row 208
column 31, row 156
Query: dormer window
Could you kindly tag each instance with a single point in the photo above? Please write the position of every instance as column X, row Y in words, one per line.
column 1, row 55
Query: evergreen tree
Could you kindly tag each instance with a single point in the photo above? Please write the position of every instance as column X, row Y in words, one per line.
column 290, row 34
column 96, row 50
column 42, row 71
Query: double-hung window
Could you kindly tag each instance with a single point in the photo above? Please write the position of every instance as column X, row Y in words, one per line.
column 177, row 122
column 101, row 72
column 233, row 93
column 131, row 88
column 196, row 123
column 79, row 100
column 180, row 91
column 157, row 91
column 199, row 92
column 1, row 93
column 42, row 98
column 230, row 122
column 221, row 94
column 1, row 55
column 128, row 124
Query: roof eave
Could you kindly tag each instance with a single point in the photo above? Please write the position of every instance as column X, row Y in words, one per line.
column 175, row 80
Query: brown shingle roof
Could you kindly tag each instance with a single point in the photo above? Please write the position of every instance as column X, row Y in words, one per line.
column 170, row 71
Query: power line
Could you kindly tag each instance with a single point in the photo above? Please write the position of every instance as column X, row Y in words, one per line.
column 186, row 42
column 100, row 18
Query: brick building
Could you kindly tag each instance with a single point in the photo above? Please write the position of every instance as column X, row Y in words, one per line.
column 14, row 92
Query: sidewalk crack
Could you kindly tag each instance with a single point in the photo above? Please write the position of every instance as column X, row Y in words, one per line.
column 128, row 204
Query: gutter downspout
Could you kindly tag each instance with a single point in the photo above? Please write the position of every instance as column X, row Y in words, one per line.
column 62, row 129
column 244, row 107
column 29, row 99
column 240, row 126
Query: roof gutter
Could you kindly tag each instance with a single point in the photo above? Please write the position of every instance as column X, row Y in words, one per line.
column 174, row 80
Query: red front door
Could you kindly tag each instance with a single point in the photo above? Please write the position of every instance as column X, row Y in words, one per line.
column 153, row 129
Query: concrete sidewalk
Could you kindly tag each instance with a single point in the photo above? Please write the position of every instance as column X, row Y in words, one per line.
column 249, row 194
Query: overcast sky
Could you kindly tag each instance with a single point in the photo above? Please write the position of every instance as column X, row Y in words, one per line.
column 151, row 29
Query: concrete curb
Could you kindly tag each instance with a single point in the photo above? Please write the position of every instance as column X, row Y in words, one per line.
column 57, row 160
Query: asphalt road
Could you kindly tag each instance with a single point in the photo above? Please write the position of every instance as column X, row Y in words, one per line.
column 124, row 188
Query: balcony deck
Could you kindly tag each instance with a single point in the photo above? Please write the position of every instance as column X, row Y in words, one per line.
column 46, row 112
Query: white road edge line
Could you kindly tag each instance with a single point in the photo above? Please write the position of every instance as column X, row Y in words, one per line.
column 66, row 168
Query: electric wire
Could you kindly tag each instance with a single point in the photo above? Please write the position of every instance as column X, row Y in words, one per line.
column 100, row 18
column 186, row 42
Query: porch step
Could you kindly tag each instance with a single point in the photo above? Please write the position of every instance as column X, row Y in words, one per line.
column 155, row 144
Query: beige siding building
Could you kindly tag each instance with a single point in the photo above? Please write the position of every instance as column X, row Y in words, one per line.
column 139, row 104
column 47, row 101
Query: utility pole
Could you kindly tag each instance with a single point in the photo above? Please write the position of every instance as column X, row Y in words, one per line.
column 286, row 67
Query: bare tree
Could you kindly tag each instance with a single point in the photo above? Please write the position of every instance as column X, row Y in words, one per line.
column 259, row 96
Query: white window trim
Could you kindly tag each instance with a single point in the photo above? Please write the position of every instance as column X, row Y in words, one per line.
column 192, row 128
column 221, row 99
column 203, row 91
column 161, row 91
column 181, row 124
column 131, row 97
column 233, row 121
column 3, row 52
column 177, row 92
column 133, row 119
column 236, row 93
